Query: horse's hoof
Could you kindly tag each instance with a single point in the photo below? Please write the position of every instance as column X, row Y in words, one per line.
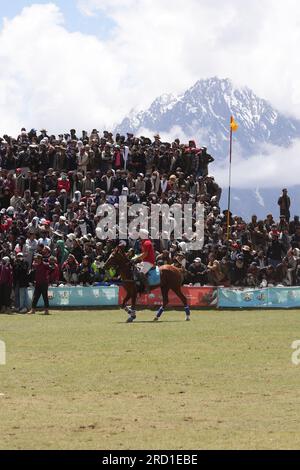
column 188, row 318
column 131, row 319
column 155, row 319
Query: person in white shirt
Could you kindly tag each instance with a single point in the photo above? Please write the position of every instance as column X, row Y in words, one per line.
column 82, row 160
column 31, row 245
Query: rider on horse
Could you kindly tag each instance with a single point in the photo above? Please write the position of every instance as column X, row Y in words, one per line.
column 170, row 276
column 146, row 260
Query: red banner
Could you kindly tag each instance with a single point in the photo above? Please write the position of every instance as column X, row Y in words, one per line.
column 196, row 296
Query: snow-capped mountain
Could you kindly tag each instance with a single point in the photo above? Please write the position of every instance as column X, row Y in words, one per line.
column 203, row 111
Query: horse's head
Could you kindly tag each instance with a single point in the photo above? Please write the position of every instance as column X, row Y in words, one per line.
column 116, row 259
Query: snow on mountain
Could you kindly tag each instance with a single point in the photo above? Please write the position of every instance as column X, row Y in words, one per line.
column 203, row 112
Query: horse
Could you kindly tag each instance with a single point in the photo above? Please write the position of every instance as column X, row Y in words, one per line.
column 170, row 279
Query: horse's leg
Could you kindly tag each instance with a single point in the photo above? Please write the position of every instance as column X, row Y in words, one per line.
column 183, row 299
column 132, row 311
column 124, row 304
column 126, row 299
column 165, row 296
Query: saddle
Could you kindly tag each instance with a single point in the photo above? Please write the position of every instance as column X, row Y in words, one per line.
column 153, row 277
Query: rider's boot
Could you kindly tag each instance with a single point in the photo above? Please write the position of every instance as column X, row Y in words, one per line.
column 147, row 285
column 144, row 279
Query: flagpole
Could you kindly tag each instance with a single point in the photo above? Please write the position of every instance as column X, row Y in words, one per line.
column 229, row 186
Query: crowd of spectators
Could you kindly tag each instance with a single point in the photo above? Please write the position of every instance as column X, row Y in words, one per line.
column 52, row 186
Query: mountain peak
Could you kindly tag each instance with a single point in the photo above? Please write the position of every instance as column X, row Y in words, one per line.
column 205, row 109
column 216, row 83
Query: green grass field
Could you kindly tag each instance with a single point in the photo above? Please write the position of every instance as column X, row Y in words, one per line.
column 87, row 380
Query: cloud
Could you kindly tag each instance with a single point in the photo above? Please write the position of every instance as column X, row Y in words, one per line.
column 50, row 77
column 271, row 167
column 167, row 48
column 90, row 7
column 176, row 132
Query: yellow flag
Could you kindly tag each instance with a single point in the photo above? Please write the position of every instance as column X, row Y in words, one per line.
column 234, row 125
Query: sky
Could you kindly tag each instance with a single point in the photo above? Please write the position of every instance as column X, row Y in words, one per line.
column 87, row 63
column 74, row 17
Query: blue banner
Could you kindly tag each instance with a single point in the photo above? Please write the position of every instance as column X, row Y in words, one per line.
column 242, row 298
column 78, row 296
column 284, row 297
column 103, row 296
column 271, row 297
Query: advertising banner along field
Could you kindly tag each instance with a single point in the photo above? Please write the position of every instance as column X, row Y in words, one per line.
column 242, row 298
column 271, row 297
column 82, row 296
column 196, row 296
column 284, row 297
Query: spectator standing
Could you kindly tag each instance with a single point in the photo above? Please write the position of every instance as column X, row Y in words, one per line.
column 42, row 277
column 6, row 281
column 284, row 203
column 204, row 160
column 21, row 283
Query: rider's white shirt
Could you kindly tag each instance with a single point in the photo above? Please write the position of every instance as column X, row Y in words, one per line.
column 145, row 267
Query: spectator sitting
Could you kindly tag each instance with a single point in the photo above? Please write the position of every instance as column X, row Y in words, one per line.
column 215, row 275
column 164, row 257
column 54, row 275
column 62, row 226
column 70, row 270
column 86, row 274
column 63, row 183
column 275, row 251
column 198, row 272
column 51, row 188
column 238, row 271
column 97, row 267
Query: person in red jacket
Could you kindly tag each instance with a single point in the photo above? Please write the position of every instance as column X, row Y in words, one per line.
column 5, row 223
column 42, row 272
column 6, row 281
column 63, row 183
column 54, row 276
column 146, row 259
